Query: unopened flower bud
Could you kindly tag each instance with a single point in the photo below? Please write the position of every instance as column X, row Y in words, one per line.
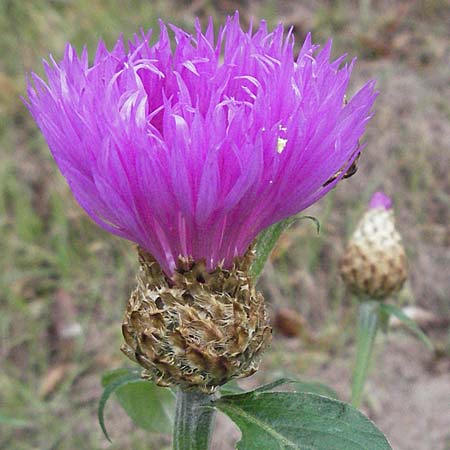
column 374, row 262
column 197, row 329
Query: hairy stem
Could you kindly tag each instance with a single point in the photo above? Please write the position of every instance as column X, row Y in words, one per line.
column 194, row 421
column 367, row 327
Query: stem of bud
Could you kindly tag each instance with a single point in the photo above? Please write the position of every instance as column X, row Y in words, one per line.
column 194, row 420
column 367, row 327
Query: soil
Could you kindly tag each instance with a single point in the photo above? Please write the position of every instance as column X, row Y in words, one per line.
column 414, row 397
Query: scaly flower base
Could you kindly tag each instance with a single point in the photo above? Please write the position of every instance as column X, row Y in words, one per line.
column 195, row 329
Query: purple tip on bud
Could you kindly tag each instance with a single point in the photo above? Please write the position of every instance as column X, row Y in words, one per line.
column 380, row 200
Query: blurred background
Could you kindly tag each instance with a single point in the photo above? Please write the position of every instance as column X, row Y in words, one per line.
column 64, row 282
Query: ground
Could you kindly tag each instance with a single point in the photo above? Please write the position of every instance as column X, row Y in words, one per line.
column 64, row 283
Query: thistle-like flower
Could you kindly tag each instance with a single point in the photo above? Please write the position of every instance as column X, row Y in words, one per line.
column 374, row 263
column 190, row 152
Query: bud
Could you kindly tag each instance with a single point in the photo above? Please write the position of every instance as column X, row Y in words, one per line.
column 374, row 262
column 196, row 329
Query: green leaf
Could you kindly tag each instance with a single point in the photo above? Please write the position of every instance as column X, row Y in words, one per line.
column 110, row 388
column 112, row 375
column 303, row 421
column 149, row 406
column 273, row 385
column 265, row 242
column 366, row 331
column 267, row 239
column 314, row 219
column 299, row 386
column 315, row 388
column 231, row 388
column 409, row 323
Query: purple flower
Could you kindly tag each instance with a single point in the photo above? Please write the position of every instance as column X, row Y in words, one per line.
column 380, row 200
column 193, row 151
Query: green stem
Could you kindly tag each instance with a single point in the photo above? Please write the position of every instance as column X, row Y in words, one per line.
column 367, row 327
column 194, row 421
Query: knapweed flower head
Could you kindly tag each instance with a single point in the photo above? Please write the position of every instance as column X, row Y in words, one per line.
column 192, row 150
column 374, row 263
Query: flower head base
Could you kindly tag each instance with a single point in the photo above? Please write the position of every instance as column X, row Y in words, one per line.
column 374, row 262
column 197, row 329
column 192, row 152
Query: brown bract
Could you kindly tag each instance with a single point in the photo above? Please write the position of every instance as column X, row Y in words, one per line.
column 195, row 329
column 374, row 263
